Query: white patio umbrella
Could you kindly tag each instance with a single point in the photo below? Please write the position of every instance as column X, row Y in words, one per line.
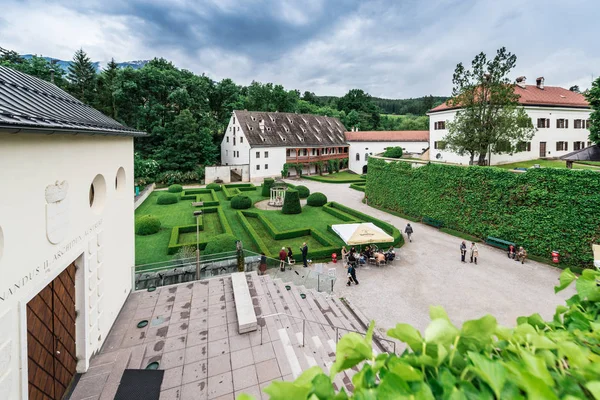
column 359, row 234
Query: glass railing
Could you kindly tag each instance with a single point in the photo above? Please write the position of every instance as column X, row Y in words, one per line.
column 316, row 276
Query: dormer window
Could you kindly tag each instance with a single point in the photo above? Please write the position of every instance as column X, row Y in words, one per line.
column 253, row 117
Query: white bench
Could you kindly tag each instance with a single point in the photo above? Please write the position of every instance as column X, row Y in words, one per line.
column 243, row 303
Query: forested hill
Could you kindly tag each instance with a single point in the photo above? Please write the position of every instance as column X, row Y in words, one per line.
column 416, row 106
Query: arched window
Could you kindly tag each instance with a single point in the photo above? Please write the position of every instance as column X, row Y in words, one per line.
column 357, row 157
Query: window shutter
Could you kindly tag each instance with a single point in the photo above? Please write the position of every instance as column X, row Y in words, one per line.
column 547, row 122
column 566, row 123
column 566, row 146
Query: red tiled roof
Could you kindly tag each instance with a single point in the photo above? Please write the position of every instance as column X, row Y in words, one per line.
column 533, row 96
column 387, row 136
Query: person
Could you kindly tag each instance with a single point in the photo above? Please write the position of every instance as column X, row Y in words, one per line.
column 367, row 251
column 521, row 255
column 463, row 251
column 290, row 255
column 282, row 256
column 263, row 264
column 379, row 258
column 304, row 251
column 390, row 254
column 352, row 257
column 408, row 230
column 351, row 275
column 474, row 252
column 511, row 251
column 344, row 254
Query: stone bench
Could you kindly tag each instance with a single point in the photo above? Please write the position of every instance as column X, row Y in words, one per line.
column 243, row 303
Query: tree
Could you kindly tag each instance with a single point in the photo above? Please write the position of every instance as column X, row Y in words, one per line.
column 490, row 119
column 593, row 96
column 82, row 75
column 107, row 87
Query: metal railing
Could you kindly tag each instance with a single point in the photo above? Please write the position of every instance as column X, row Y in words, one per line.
column 337, row 329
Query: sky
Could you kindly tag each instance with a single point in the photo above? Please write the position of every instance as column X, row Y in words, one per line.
column 390, row 49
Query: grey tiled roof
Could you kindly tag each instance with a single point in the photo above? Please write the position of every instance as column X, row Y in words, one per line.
column 33, row 104
column 289, row 129
column 591, row 153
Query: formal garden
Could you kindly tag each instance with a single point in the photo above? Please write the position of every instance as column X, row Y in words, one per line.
column 166, row 226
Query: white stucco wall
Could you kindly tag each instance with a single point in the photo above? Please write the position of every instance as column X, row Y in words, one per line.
column 378, row 147
column 274, row 160
column 549, row 135
column 229, row 150
column 99, row 239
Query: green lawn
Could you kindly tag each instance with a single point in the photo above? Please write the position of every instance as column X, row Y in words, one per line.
column 547, row 164
column 337, row 177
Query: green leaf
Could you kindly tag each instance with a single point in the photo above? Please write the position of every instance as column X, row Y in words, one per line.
column 352, row 349
column 279, row 390
column 566, row 277
column 594, row 388
column 537, row 367
column 587, row 287
column 322, row 387
column 441, row 331
column 438, row 312
column 245, row 396
column 407, row 334
column 478, row 333
column 307, row 376
column 406, row 372
column 365, row 378
column 577, row 355
column 392, row 387
column 491, row 372
column 535, row 388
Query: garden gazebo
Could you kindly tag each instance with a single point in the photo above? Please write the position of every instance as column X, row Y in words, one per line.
column 278, row 193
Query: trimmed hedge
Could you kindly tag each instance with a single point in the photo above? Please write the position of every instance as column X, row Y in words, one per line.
column 167, row 198
column 195, row 195
column 174, row 244
column 358, row 186
column 266, row 187
column 220, row 244
column 316, row 200
column 147, row 225
column 241, row 202
column 175, row 189
column 393, row 152
column 303, row 191
column 324, row 179
column 214, row 186
column 233, row 190
column 291, row 203
column 543, row 209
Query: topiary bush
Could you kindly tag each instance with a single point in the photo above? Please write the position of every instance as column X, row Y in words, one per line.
column 220, row 244
column 175, row 189
column 266, row 187
column 316, row 200
column 241, row 202
column 147, row 225
column 214, row 186
column 291, row 203
column 167, row 198
column 303, row 191
column 393, row 152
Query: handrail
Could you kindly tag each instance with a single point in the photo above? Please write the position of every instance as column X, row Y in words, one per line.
column 337, row 328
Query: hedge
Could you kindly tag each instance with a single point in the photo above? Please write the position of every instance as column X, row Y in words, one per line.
column 319, row 178
column 196, row 196
column 233, row 190
column 393, row 152
column 214, row 186
column 316, row 199
column 291, row 203
column 303, row 191
column 544, row 209
column 358, row 186
column 175, row 189
column 147, row 225
column 220, row 244
column 174, row 244
column 266, row 187
column 167, row 198
column 241, row 202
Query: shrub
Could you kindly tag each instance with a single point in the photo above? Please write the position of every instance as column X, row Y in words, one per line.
column 291, row 203
column 303, row 191
column 266, row 187
column 316, row 200
column 241, row 202
column 220, row 244
column 393, row 152
column 214, row 186
column 167, row 198
column 175, row 189
column 147, row 225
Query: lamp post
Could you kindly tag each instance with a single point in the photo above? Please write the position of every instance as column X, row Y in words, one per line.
column 197, row 215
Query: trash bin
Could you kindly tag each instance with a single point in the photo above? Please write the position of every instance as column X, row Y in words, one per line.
column 334, row 258
column 137, row 190
column 555, row 257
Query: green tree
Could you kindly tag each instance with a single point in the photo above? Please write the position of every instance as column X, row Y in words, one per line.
column 82, row 76
column 593, row 96
column 36, row 66
column 490, row 119
column 107, row 87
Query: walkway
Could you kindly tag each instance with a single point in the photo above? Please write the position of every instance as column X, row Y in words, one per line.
column 429, row 272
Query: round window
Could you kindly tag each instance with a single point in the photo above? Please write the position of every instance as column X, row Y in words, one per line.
column 120, row 179
column 97, row 194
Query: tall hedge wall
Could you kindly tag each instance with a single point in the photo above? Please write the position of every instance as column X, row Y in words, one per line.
column 543, row 209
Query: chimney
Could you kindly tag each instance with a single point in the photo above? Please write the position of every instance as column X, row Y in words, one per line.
column 521, row 81
column 539, row 82
column 261, row 125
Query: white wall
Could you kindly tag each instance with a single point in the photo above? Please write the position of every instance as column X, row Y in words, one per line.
column 549, row 135
column 223, row 172
column 274, row 160
column 100, row 239
column 378, row 147
column 229, row 150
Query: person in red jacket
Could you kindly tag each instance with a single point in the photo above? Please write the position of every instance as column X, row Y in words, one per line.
column 282, row 257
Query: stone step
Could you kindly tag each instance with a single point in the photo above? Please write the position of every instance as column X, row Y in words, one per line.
column 290, row 354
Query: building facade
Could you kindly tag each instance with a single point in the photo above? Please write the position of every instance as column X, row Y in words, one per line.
column 561, row 119
column 66, row 234
column 362, row 144
column 265, row 141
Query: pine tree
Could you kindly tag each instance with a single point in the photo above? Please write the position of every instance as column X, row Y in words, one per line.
column 107, row 86
column 82, row 75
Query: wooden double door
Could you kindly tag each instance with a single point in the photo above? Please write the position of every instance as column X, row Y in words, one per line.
column 51, row 350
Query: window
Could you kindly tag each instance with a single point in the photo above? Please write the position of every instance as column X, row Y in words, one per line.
column 241, row 139
column 578, row 124
column 266, row 154
column 266, row 166
column 227, row 139
column 234, row 120
column 234, row 140
column 524, row 146
column 440, row 145
column 587, row 124
column 503, row 146
column 258, row 154
column 366, row 156
column 304, row 152
column 258, row 167
column 357, row 157
column 578, row 145
column 562, row 146
column 589, row 144
column 439, row 125
column 313, row 152
column 287, row 153
column 229, row 129
column 562, row 123
column 543, row 123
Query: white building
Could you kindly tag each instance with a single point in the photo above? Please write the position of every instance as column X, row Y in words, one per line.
column 560, row 116
column 66, row 234
column 365, row 143
column 265, row 141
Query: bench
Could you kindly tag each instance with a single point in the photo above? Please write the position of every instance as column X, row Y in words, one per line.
column 197, row 203
column 433, row 222
column 243, row 303
column 501, row 244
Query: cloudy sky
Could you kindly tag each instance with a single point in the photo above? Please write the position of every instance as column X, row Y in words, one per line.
column 393, row 48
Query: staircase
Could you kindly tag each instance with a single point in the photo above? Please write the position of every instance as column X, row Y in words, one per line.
column 304, row 331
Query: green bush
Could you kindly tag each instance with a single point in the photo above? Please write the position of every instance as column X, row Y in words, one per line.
column 316, row 200
column 220, row 244
column 291, row 203
column 147, row 225
column 214, row 186
column 175, row 189
column 241, row 202
column 167, row 198
column 266, row 187
column 303, row 191
column 393, row 152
